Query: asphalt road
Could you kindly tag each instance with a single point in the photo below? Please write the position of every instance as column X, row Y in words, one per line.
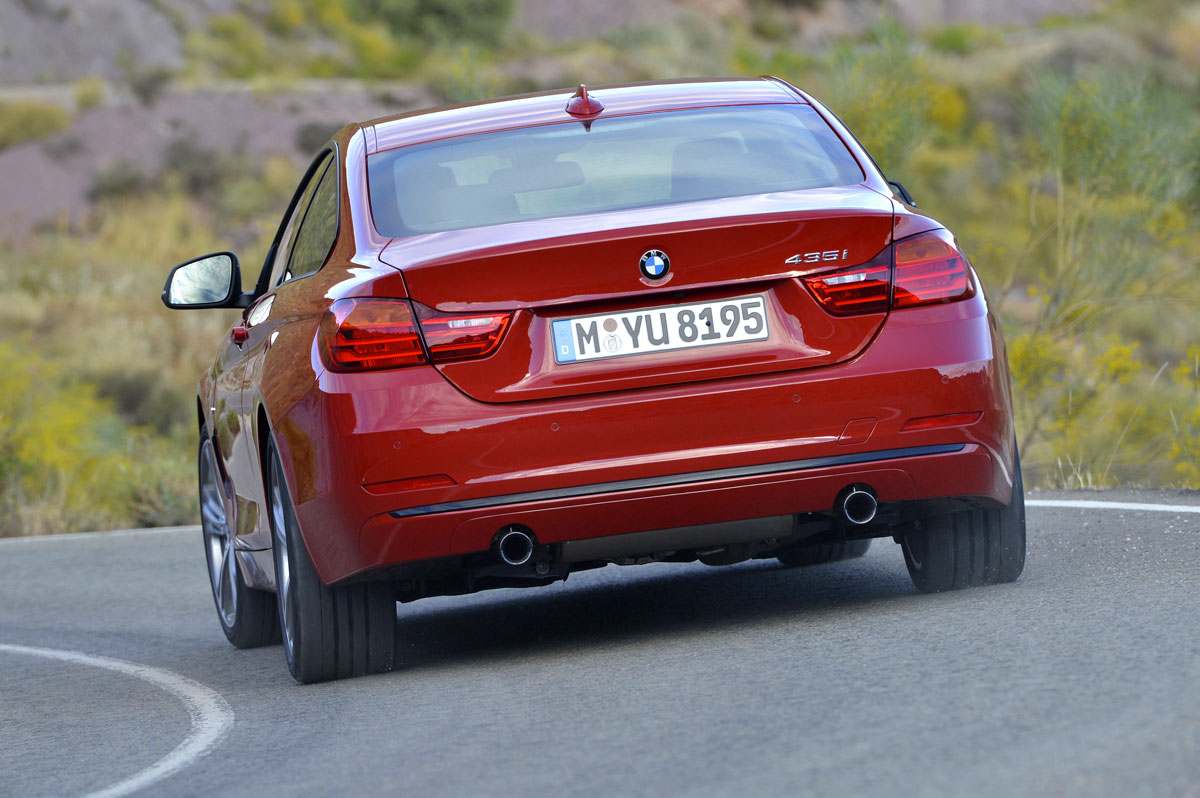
column 1083, row 678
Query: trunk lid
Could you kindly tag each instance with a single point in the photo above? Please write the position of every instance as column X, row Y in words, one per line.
column 556, row 270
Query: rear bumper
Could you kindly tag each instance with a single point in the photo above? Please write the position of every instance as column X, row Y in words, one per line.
column 967, row 467
column 610, row 464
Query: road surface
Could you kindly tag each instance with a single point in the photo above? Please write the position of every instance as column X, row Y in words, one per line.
column 1083, row 678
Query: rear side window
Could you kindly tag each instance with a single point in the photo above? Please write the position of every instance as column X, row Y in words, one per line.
column 567, row 169
column 319, row 228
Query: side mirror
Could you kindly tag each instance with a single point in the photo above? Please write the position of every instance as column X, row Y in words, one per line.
column 213, row 281
column 899, row 188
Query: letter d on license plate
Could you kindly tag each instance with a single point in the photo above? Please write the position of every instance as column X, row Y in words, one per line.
column 640, row 332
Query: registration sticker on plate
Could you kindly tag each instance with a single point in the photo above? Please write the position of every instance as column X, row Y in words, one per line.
column 639, row 332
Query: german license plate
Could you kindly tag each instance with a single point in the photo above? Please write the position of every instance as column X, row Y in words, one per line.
column 640, row 332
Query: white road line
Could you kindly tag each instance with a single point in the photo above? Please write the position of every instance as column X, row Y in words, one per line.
column 210, row 713
column 114, row 533
column 1130, row 506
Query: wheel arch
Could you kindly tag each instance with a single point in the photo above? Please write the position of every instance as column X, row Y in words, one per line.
column 262, row 438
column 264, row 435
column 201, row 419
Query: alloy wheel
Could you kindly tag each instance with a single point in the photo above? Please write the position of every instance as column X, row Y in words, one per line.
column 214, row 520
column 283, row 575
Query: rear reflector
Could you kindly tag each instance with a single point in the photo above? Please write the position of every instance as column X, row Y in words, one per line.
column 369, row 334
column 416, row 483
column 460, row 336
column 937, row 422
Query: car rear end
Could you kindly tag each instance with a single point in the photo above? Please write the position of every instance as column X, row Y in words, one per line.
column 654, row 334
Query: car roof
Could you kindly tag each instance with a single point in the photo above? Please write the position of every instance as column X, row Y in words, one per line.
column 550, row 106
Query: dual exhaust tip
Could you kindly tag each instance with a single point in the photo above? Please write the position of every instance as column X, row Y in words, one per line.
column 856, row 505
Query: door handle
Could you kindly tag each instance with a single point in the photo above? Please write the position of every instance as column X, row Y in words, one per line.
column 239, row 334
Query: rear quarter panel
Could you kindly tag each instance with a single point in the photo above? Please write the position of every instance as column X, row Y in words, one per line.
column 290, row 363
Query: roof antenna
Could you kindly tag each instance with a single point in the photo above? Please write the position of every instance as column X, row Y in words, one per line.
column 582, row 104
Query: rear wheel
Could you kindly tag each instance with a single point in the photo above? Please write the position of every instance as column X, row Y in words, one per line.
column 819, row 553
column 248, row 617
column 969, row 548
column 328, row 632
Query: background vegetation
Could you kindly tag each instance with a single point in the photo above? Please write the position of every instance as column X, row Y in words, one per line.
column 1064, row 155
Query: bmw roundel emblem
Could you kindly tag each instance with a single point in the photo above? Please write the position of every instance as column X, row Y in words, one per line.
column 655, row 264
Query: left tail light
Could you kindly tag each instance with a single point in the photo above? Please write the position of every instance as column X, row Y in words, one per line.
column 370, row 334
column 461, row 336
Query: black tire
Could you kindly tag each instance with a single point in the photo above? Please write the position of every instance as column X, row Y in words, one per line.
column 248, row 617
column 820, row 553
column 328, row 632
column 969, row 548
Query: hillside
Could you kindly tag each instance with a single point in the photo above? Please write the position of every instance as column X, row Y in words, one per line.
column 1059, row 139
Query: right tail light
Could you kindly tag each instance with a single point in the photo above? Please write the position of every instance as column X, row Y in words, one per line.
column 929, row 271
column 926, row 269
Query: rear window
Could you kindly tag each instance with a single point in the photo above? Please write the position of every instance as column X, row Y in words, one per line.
column 570, row 168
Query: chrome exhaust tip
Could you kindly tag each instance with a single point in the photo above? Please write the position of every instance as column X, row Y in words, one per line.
column 857, row 505
column 515, row 547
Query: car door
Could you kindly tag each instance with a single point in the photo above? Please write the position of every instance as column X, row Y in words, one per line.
column 307, row 249
column 259, row 322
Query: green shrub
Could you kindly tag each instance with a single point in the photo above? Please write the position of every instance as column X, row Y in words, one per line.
column 97, row 411
column 146, row 82
column 200, row 169
column 1109, row 176
column 29, row 120
column 442, row 20
column 377, row 53
column 286, row 16
column 312, row 135
column 118, row 180
column 67, row 461
column 89, row 92
column 770, row 20
column 882, row 92
column 1110, row 132
column 961, row 38
column 463, row 79
column 238, row 46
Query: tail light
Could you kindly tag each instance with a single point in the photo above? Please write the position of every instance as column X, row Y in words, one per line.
column 370, row 334
column 461, row 336
column 927, row 270
column 860, row 290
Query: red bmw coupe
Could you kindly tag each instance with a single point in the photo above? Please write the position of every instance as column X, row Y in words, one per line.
column 498, row 343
